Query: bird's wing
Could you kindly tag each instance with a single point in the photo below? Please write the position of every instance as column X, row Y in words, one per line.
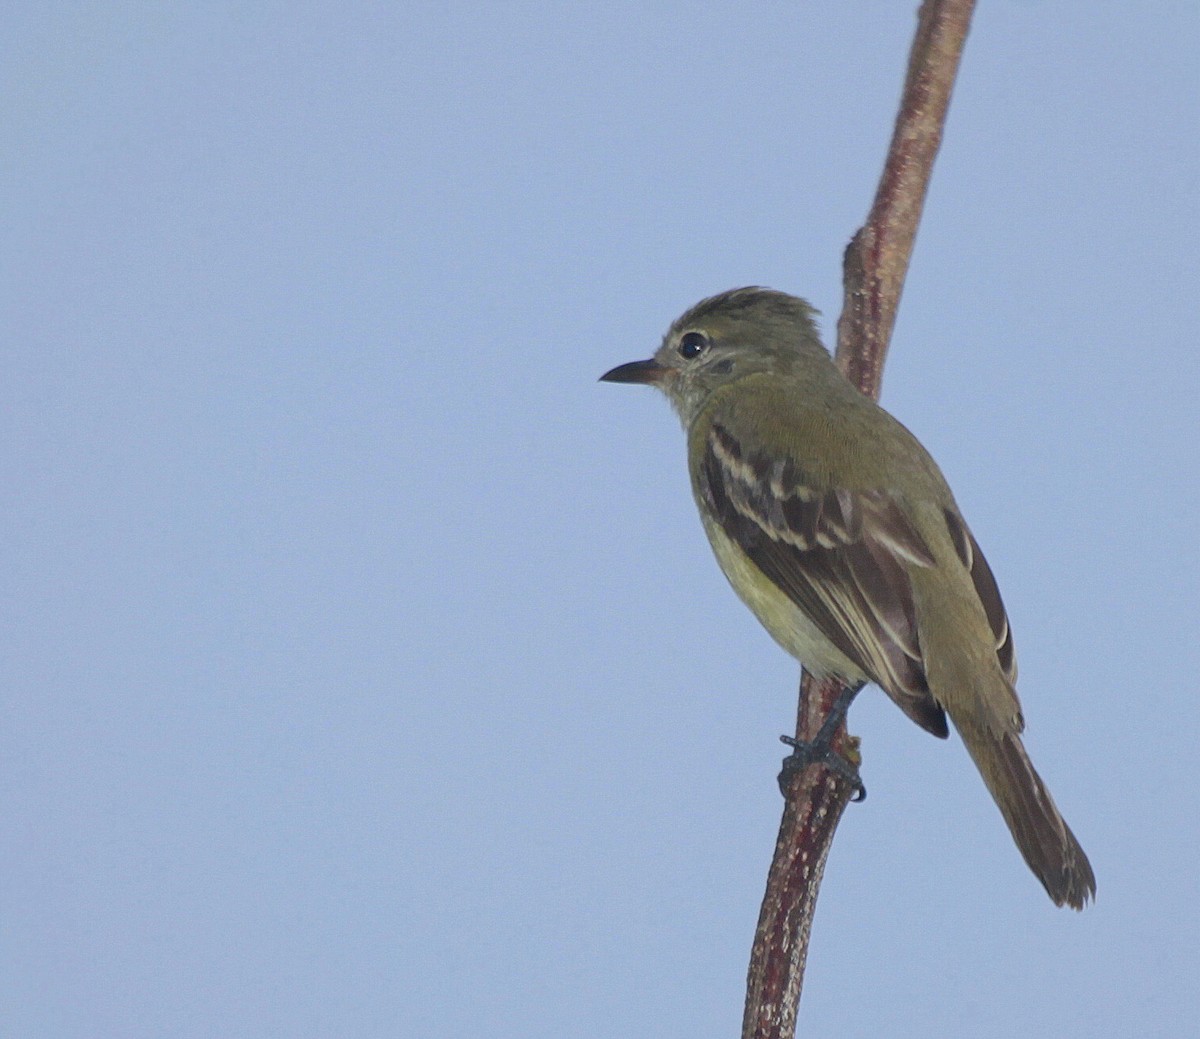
column 988, row 592
column 839, row 555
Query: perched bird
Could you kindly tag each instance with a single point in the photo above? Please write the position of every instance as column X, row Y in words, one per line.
column 837, row 529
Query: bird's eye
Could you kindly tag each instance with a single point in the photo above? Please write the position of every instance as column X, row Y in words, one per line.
column 692, row 344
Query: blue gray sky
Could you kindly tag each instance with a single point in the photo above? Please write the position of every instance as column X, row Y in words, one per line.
column 366, row 671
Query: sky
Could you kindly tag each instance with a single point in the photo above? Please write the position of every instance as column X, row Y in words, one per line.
column 366, row 672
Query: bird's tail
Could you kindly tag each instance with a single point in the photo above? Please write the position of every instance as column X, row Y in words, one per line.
column 1046, row 841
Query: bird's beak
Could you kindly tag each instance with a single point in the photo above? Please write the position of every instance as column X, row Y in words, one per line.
column 648, row 372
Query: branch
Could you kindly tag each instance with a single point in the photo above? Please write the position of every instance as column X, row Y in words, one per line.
column 874, row 267
column 876, row 259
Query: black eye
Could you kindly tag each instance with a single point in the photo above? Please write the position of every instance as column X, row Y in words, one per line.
column 692, row 344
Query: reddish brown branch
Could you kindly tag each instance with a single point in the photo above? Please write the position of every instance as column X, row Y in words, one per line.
column 877, row 257
column 875, row 264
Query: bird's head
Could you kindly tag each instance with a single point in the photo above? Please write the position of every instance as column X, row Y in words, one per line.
column 722, row 339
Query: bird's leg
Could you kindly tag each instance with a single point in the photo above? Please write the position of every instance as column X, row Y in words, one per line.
column 820, row 749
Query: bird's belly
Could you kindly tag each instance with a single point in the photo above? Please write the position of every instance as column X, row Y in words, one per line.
column 783, row 619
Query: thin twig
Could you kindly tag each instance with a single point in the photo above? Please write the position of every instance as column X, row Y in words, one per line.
column 874, row 267
column 877, row 257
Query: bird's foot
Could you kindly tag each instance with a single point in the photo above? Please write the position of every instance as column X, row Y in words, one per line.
column 819, row 751
column 806, row 754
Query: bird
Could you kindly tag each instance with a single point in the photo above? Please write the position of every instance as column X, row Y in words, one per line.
column 838, row 530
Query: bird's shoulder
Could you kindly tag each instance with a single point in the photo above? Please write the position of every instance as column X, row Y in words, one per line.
column 832, row 436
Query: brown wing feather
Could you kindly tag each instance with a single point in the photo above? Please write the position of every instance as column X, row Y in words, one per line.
column 838, row 555
column 988, row 592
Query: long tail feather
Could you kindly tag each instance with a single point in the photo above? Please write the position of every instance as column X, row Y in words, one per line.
column 1041, row 833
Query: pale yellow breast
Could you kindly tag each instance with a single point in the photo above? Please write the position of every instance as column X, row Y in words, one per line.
column 776, row 612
